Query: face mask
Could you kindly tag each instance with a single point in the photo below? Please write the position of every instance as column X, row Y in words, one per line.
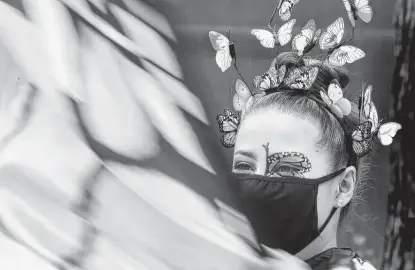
column 282, row 210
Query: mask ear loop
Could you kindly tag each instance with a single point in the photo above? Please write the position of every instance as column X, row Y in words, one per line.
column 321, row 229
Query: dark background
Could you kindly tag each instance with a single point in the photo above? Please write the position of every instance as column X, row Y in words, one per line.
column 192, row 19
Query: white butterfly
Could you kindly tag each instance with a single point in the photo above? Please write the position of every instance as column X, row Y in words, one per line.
column 285, row 7
column 333, row 36
column 242, row 97
column 225, row 50
column 385, row 132
column 339, row 105
column 307, row 39
column 339, row 53
column 271, row 39
column 345, row 54
column 358, row 8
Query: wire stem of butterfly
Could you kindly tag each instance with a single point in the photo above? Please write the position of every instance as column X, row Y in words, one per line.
column 273, row 13
column 324, row 60
column 240, row 75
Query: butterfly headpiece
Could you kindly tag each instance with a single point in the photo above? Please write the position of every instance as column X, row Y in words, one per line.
column 301, row 76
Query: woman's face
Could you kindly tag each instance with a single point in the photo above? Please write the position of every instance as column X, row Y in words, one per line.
column 294, row 138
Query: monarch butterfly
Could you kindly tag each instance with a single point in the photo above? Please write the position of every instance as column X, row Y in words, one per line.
column 302, row 77
column 228, row 123
column 361, row 135
column 270, row 79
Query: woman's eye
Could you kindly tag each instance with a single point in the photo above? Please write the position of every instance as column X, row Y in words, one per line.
column 285, row 170
column 243, row 167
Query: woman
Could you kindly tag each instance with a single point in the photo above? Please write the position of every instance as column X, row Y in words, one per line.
column 298, row 162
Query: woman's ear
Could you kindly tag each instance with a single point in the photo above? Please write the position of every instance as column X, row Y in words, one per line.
column 346, row 187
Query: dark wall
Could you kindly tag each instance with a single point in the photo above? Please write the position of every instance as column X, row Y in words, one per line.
column 194, row 18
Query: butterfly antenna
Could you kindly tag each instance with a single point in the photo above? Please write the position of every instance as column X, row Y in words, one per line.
column 273, row 13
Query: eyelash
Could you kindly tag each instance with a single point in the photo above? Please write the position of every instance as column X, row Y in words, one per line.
column 243, row 166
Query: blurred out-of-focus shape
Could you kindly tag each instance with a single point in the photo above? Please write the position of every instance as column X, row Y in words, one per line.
column 400, row 229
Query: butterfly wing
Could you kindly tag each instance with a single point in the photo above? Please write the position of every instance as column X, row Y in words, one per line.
column 297, row 163
column 228, row 121
column 362, row 148
column 349, row 12
column 317, row 35
column 281, row 74
column 333, row 36
column 325, row 98
column 387, row 131
column 241, row 96
column 219, row 42
column 371, row 113
column 367, row 100
column 223, row 59
column 364, row 10
column 362, row 132
column 346, row 54
column 242, row 90
column 335, row 93
column 228, row 139
column 265, row 37
column 301, row 40
column 285, row 7
column 302, row 78
column 284, row 34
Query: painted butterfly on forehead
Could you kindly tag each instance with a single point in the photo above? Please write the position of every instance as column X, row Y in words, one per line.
column 301, row 78
column 307, row 39
column 338, row 53
column 385, row 132
column 285, row 7
column 358, row 8
column 225, row 50
column 283, row 164
column 271, row 78
column 274, row 39
column 228, row 123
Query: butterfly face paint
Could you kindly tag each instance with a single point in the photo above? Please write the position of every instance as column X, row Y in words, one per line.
column 286, row 164
column 282, row 205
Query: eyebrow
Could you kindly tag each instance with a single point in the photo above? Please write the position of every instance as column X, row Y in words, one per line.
column 247, row 154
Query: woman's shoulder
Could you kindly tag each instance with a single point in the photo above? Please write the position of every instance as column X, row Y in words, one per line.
column 339, row 259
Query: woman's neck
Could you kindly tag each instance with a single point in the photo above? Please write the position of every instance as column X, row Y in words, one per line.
column 326, row 240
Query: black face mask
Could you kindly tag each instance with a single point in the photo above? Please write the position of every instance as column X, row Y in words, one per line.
column 282, row 210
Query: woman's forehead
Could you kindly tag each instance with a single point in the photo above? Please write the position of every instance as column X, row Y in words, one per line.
column 284, row 132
